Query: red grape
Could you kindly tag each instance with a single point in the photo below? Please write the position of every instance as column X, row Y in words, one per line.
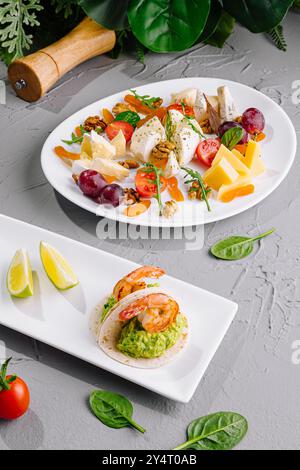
column 91, row 183
column 112, row 194
column 228, row 125
column 253, row 121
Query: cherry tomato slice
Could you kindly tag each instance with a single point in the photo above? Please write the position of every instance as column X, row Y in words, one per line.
column 207, row 150
column 184, row 109
column 113, row 129
column 144, row 185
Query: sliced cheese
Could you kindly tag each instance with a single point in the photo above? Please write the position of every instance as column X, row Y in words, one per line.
column 172, row 167
column 101, row 148
column 80, row 165
column 86, row 146
column 221, row 173
column 252, row 153
column 110, row 168
column 237, row 187
column 119, row 142
column 234, row 161
column 258, row 167
column 186, row 141
column 189, row 96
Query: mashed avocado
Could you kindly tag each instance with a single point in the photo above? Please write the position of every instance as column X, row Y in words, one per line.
column 136, row 342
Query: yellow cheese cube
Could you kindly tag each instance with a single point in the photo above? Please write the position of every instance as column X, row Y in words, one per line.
column 235, row 162
column 252, row 153
column 221, row 173
column 241, row 187
column 257, row 165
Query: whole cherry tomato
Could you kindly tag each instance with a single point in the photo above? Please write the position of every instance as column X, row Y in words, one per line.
column 14, row 395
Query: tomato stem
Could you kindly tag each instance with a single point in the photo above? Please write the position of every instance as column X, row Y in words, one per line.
column 4, row 382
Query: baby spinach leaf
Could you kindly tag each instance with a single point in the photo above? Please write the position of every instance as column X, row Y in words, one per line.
column 113, row 410
column 223, row 30
column 258, row 15
column 128, row 116
column 217, row 431
column 168, row 25
column 236, row 247
column 111, row 14
column 232, row 137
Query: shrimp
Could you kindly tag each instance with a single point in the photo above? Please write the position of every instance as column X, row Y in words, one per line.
column 156, row 312
column 134, row 281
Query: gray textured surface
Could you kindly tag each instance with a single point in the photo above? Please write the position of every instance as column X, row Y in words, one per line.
column 252, row 372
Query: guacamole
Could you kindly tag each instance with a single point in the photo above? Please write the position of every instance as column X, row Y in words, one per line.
column 136, row 342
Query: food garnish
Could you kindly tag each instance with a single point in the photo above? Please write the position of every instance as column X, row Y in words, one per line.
column 147, row 100
column 111, row 301
column 196, row 177
column 236, row 247
column 19, row 277
column 232, row 137
column 150, row 168
column 57, row 267
column 218, row 431
column 130, row 164
column 63, row 153
column 14, row 394
column 174, row 191
column 131, row 196
column 113, row 410
column 128, row 116
column 76, row 139
column 94, row 123
column 137, row 208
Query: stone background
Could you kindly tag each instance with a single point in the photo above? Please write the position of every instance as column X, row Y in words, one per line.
column 252, row 372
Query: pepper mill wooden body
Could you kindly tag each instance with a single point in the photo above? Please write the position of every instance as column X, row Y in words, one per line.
column 32, row 76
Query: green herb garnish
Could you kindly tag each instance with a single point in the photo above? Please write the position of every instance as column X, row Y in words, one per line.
column 128, row 116
column 188, row 120
column 111, row 301
column 75, row 139
column 170, row 128
column 232, row 137
column 156, row 284
column 236, row 247
column 217, row 431
column 146, row 99
column 113, row 410
column 195, row 176
column 150, row 168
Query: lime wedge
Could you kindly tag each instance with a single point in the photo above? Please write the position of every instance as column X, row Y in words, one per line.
column 19, row 277
column 57, row 267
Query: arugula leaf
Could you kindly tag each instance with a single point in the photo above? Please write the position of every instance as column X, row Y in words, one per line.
column 147, row 100
column 128, row 116
column 195, row 176
column 232, row 137
column 169, row 127
column 74, row 138
column 168, row 25
column 150, row 168
column 111, row 301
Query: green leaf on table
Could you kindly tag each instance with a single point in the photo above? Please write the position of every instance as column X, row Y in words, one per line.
column 113, row 410
column 258, row 16
column 232, row 137
column 223, row 30
column 212, row 22
column 236, row 247
column 217, row 431
column 168, row 25
column 277, row 36
column 111, row 14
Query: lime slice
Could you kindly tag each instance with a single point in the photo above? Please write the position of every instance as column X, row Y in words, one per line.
column 57, row 267
column 19, row 277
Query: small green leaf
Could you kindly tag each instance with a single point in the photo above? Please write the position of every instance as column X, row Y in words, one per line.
column 113, row 410
column 128, row 116
column 223, row 31
column 277, row 36
column 168, row 25
column 236, row 247
column 217, row 431
column 232, row 137
column 111, row 14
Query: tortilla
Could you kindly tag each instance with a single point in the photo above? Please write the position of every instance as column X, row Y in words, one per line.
column 109, row 331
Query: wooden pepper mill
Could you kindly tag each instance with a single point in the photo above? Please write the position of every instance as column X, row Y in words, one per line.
column 32, row 76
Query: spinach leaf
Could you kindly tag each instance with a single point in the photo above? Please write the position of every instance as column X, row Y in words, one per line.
column 258, row 15
column 236, row 247
column 168, row 25
column 223, row 30
column 217, row 431
column 111, row 14
column 113, row 410
column 232, row 137
column 128, row 116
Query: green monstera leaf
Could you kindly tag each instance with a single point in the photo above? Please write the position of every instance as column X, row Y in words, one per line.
column 258, row 15
column 168, row 25
column 212, row 22
column 111, row 14
column 223, row 30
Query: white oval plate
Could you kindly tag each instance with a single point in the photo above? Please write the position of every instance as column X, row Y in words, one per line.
column 278, row 152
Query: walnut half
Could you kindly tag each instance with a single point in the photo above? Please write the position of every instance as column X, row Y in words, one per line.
column 169, row 209
column 131, row 196
column 162, row 150
column 129, row 164
column 195, row 191
column 94, row 122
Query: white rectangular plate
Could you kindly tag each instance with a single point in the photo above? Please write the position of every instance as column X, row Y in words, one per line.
column 61, row 319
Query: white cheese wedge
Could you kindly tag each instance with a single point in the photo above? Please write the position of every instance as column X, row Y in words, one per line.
column 101, row 148
column 188, row 96
column 109, row 168
column 119, row 142
column 86, row 146
column 227, row 111
column 80, row 165
column 172, row 167
column 146, row 137
column 175, row 117
column 186, row 141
